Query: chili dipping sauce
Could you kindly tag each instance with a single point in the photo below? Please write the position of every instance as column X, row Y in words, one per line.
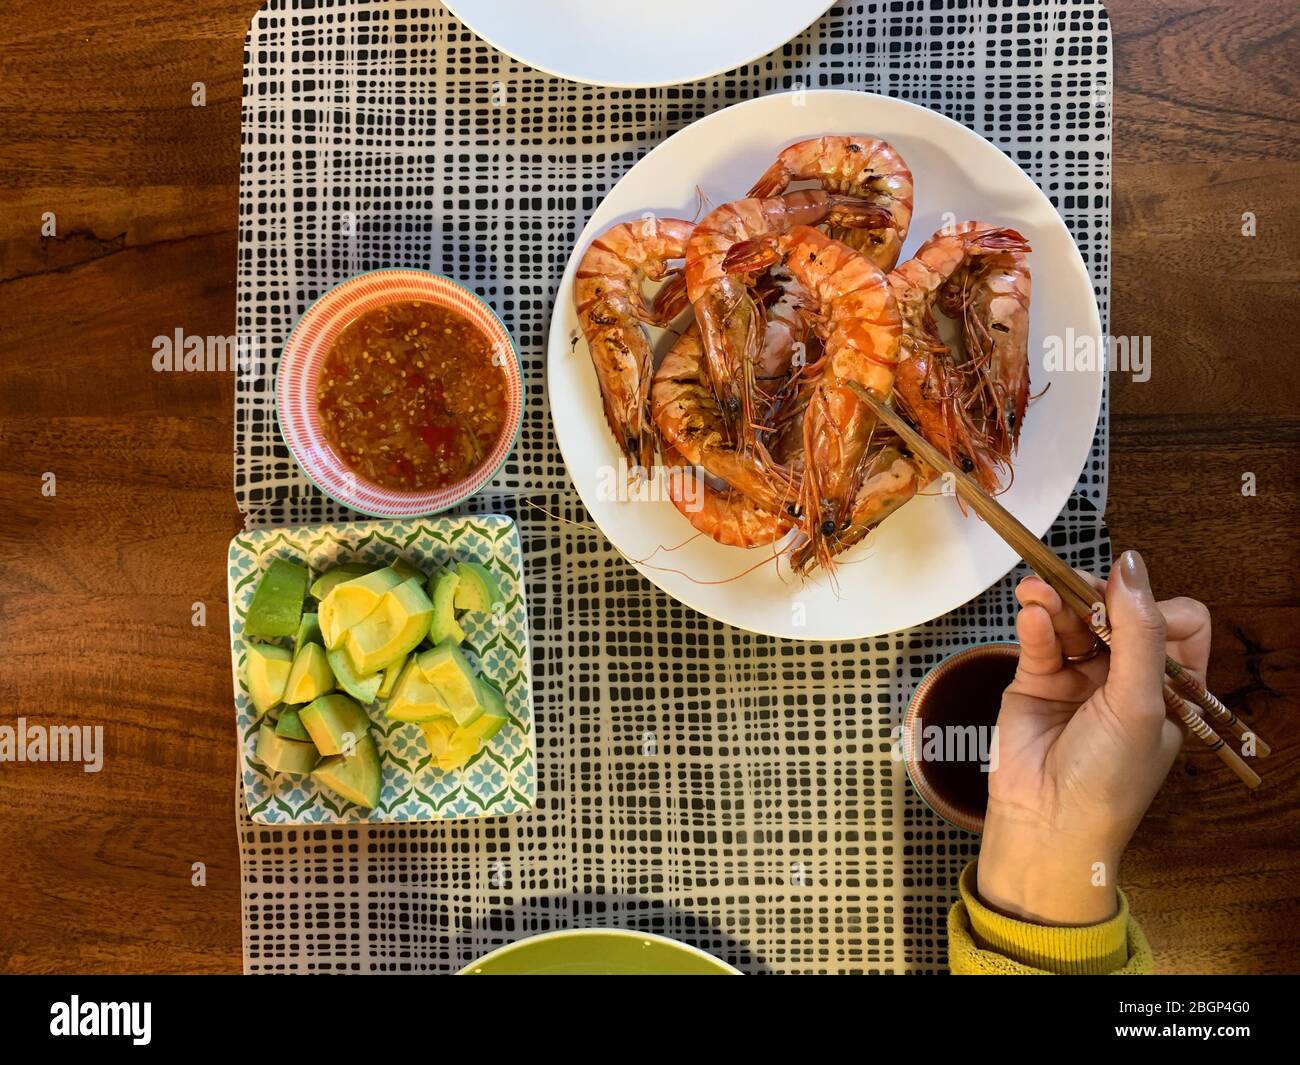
column 410, row 396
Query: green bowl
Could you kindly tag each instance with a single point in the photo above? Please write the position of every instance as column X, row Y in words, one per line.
column 598, row 952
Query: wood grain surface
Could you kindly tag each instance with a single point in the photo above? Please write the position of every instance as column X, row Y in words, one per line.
column 98, row 583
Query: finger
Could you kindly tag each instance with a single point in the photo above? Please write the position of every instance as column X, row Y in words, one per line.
column 1187, row 625
column 1098, row 584
column 1075, row 636
column 1040, row 650
column 1137, row 649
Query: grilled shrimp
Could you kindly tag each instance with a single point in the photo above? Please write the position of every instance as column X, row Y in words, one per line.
column 726, row 515
column 611, row 309
column 854, row 166
column 730, row 320
column 859, row 324
column 989, row 296
column 684, row 409
column 948, row 399
column 890, row 477
column 787, row 333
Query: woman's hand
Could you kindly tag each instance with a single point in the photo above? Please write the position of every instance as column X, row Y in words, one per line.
column 1082, row 747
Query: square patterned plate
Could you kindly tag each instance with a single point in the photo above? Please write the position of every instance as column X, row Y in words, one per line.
column 502, row 778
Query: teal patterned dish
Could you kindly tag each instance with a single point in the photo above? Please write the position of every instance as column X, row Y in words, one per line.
column 502, row 778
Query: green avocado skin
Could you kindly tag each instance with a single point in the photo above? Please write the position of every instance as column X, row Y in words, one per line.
column 308, row 631
column 345, row 572
column 478, row 589
column 358, row 777
column 363, row 689
column 442, row 593
column 290, row 727
column 276, row 609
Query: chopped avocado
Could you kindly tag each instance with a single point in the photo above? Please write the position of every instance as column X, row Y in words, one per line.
column 356, row 777
column 494, row 714
column 325, row 583
column 414, row 698
column 392, row 674
column 311, row 676
column 494, row 703
column 282, row 755
column 308, row 631
column 437, row 734
column 462, row 746
column 351, row 601
column 392, row 630
column 363, row 689
column 331, row 720
column 289, row 725
column 266, row 669
column 478, row 589
column 407, row 571
column 276, row 608
column 442, row 590
column 484, row 728
column 448, row 670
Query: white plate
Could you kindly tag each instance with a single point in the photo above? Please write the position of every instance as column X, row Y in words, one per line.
column 927, row 559
column 635, row 43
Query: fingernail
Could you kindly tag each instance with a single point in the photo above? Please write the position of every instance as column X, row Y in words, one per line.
column 1133, row 572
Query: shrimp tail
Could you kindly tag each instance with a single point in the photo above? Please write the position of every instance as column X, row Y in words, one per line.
column 854, row 212
column 752, row 256
column 669, row 301
column 773, row 181
column 994, row 240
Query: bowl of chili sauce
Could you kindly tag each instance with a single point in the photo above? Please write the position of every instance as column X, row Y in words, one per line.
column 399, row 393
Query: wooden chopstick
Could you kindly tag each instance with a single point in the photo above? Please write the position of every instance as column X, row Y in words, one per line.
column 1184, row 694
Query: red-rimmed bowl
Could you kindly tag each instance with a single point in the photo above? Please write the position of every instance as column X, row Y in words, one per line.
column 298, row 378
column 992, row 665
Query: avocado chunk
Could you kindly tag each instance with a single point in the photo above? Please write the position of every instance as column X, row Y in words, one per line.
column 462, row 746
column 351, row 601
column 437, row 734
column 448, row 670
column 415, row 699
column 308, row 631
column 484, row 728
column 478, row 589
column 276, row 608
column 452, row 747
column 494, row 702
column 310, row 677
column 326, row 582
column 392, row 674
column 406, row 570
column 391, row 631
column 289, row 725
column 442, row 591
column 332, row 720
column 266, row 670
column 282, row 755
column 356, row 777
column 363, row 689
column 494, row 716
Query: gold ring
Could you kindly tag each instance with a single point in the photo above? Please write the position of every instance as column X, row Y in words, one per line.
column 1087, row 655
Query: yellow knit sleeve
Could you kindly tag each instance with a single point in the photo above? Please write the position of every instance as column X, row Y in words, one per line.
column 981, row 941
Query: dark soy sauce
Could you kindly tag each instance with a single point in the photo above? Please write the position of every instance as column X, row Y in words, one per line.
column 968, row 694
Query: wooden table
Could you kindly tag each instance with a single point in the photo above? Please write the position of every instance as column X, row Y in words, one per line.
column 100, row 581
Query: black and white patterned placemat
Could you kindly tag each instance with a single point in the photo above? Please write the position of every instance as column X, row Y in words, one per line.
column 731, row 790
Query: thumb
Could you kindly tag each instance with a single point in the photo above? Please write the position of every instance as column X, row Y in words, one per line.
column 1137, row 649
